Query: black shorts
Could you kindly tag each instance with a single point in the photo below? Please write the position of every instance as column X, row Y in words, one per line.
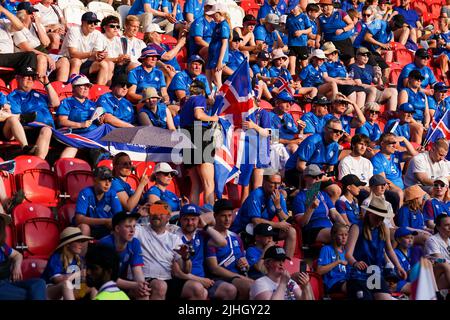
column 337, row 287
column 309, row 236
column 347, row 89
column 174, row 287
column 292, row 178
column 346, row 50
column 85, row 66
column 376, row 59
column 202, row 138
column 300, row 52
column 32, row 134
column 357, row 287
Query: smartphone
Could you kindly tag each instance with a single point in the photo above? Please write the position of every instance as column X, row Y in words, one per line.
column 303, row 266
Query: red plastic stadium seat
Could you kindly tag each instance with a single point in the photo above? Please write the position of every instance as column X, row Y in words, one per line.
column 435, row 10
column 4, row 70
column 420, row 6
column 65, row 165
column 403, row 56
column 393, row 75
column 26, row 211
column 105, row 163
column 147, row 166
column 66, row 214
column 41, row 237
column 168, row 40
column 8, row 182
column 292, row 265
column 97, row 90
column 38, row 86
column 40, row 186
column 133, row 181
column 10, row 236
column 263, row 104
column 250, row 7
column 182, row 58
column 77, row 180
column 29, row 162
column 296, row 112
column 3, row 87
column 33, row 268
column 63, row 90
column 316, row 283
column 298, row 253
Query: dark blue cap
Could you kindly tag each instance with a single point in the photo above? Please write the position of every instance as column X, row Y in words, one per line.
column 89, row 17
column 292, row 5
column 283, row 95
column 403, row 231
column 440, row 86
column 190, row 210
column 196, row 57
column 26, row 6
column 406, row 107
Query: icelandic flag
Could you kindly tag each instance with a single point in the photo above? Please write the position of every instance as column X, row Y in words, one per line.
column 439, row 128
column 92, row 140
column 423, row 283
column 233, row 103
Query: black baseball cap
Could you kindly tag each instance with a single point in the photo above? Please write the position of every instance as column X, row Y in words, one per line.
column 422, row 53
column 27, row 6
column 415, row 74
column 119, row 79
column 89, row 17
column 322, row 100
column 26, row 71
column 223, row 204
column 123, row 215
column 276, row 253
column 103, row 173
column 350, row 179
column 236, row 36
column 263, row 229
column 440, row 87
column 398, row 20
column 249, row 19
column 263, row 55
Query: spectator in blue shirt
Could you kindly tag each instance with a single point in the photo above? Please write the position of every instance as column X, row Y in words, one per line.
column 129, row 198
column 411, row 18
column 340, row 107
column 196, row 233
column 193, row 9
column 65, row 264
column 218, row 47
column 336, row 25
column 262, row 76
column 11, row 288
column 347, row 205
column 261, row 206
column 315, row 217
column 312, row 11
column 315, row 74
column 277, row 7
column 443, row 45
column 439, row 102
column 315, row 119
column 235, row 55
column 420, row 62
column 412, row 94
column 26, row 100
column 200, row 31
column 405, row 241
column 410, row 215
column 265, row 33
column 76, row 112
column 332, row 265
column 228, row 263
column 147, row 75
column 150, row 11
column 405, row 125
column 438, row 203
column 96, row 205
column 119, row 112
column 179, row 86
column 298, row 27
column 370, row 128
column 154, row 112
column 263, row 233
column 352, row 4
column 129, row 251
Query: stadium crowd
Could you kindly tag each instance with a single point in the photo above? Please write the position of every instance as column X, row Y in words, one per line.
column 351, row 98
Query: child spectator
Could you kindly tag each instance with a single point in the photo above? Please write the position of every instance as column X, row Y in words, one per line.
column 438, row 204
column 332, row 264
column 263, row 233
column 405, row 242
column 347, row 204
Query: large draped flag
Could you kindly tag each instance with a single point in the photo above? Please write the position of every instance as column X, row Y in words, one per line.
column 92, row 139
column 423, row 283
column 233, row 103
column 439, row 128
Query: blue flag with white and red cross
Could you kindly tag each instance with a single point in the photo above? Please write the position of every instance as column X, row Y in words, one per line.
column 233, row 103
column 439, row 128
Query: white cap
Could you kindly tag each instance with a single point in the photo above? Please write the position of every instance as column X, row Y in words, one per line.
column 277, row 54
column 154, row 28
column 272, row 18
column 210, row 2
column 80, row 80
column 283, row 18
column 318, row 53
column 218, row 7
column 164, row 167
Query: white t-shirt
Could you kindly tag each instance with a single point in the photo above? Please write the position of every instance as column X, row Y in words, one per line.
column 26, row 35
column 113, row 46
column 94, row 41
column 6, row 41
column 436, row 245
column 266, row 284
column 362, row 168
column 48, row 14
column 423, row 163
column 134, row 48
column 158, row 252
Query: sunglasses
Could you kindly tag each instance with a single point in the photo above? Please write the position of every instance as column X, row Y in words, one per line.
column 336, row 131
column 167, row 174
column 320, row 176
column 109, row 179
column 374, row 112
column 92, row 22
column 366, row 15
column 391, row 143
column 124, row 85
column 126, row 164
column 438, row 185
column 114, row 26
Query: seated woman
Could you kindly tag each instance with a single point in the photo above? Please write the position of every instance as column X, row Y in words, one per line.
column 154, row 112
column 314, row 218
column 413, row 95
column 129, row 198
column 332, row 265
column 11, row 285
column 347, row 204
column 315, row 74
column 371, row 128
column 278, row 284
column 76, row 112
column 410, row 214
column 162, row 176
column 65, row 265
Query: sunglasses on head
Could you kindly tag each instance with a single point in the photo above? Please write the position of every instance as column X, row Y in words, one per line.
column 114, row 26
column 337, row 131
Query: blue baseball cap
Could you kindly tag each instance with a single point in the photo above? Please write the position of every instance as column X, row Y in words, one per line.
column 403, row 231
column 440, row 87
column 292, row 5
column 283, row 95
column 190, row 210
column 89, row 17
column 196, row 57
column 406, row 107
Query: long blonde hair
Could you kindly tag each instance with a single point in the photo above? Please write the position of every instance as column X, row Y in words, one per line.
column 366, row 229
column 65, row 257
